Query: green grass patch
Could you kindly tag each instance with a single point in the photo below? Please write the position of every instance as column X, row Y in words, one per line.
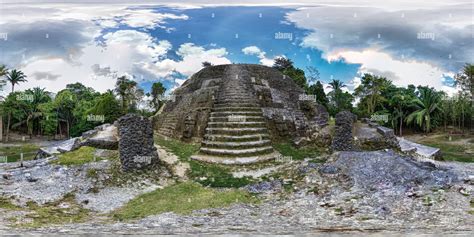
column 182, row 198
column 6, row 203
column 286, row 149
column 472, row 207
column 13, row 152
column 92, row 173
column 80, row 156
column 55, row 214
column 216, row 176
column 181, row 149
column 451, row 152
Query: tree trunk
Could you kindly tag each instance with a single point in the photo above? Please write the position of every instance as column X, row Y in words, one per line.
column 67, row 125
column 7, row 136
column 401, row 125
column 1, row 128
column 60, row 130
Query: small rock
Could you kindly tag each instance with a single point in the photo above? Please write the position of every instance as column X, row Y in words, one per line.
column 329, row 169
column 6, row 176
column 326, row 204
column 463, row 191
column 64, row 205
column 414, row 194
column 265, row 187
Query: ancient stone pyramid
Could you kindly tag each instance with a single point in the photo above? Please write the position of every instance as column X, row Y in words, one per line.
column 236, row 112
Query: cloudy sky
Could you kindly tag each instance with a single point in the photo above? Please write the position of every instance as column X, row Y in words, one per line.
column 93, row 42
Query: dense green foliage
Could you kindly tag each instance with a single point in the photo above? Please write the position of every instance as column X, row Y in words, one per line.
column 71, row 111
column 420, row 108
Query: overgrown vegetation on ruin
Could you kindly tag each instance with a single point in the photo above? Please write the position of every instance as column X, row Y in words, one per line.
column 212, row 175
column 80, row 156
column 286, row 149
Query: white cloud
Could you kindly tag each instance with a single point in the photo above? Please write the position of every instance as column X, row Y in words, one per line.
column 385, row 40
column 254, row 50
column 146, row 18
column 125, row 52
column 402, row 73
column 104, row 15
column 192, row 57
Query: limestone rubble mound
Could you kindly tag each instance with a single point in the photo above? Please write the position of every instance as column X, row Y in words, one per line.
column 375, row 169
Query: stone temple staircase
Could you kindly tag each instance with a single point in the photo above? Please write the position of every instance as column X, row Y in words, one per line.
column 236, row 132
column 168, row 126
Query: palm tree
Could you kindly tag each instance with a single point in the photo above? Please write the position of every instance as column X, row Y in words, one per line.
column 398, row 102
column 127, row 91
column 3, row 72
column 336, row 95
column 426, row 105
column 40, row 95
column 15, row 77
column 336, row 85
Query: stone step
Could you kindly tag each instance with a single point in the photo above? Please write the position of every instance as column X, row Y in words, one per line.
column 236, row 104
column 230, row 95
column 166, row 132
column 236, row 124
column 236, row 145
column 231, row 138
column 235, row 160
column 232, row 101
column 237, row 118
column 246, row 113
column 238, row 109
column 224, row 94
column 235, row 131
column 236, row 152
column 169, row 126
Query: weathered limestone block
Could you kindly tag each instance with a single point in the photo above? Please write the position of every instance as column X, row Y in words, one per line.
column 343, row 140
column 136, row 146
column 189, row 123
column 103, row 137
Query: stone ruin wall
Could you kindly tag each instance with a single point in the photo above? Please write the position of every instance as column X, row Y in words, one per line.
column 287, row 117
column 186, row 117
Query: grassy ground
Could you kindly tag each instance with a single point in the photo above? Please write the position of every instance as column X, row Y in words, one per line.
column 216, row 176
column 288, row 150
column 13, row 152
column 181, row 149
column 212, row 175
column 452, row 150
column 182, row 198
column 60, row 212
column 5, row 203
column 472, row 207
column 80, row 156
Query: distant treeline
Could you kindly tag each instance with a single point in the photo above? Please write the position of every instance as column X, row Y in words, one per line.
column 421, row 108
column 71, row 111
